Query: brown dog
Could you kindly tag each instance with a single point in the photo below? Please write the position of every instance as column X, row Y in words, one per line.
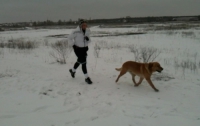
column 143, row 70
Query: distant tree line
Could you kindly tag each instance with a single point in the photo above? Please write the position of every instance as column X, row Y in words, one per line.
column 52, row 23
column 122, row 20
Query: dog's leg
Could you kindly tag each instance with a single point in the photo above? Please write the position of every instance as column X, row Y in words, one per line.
column 151, row 84
column 123, row 71
column 133, row 78
column 140, row 81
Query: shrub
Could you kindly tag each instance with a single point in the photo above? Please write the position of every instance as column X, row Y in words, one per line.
column 97, row 49
column 20, row 44
column 144, row 54
column 60, row 51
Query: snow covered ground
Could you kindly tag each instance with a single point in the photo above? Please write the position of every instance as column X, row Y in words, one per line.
column 35, row 90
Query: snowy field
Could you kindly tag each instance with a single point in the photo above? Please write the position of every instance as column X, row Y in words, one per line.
column 35, row 90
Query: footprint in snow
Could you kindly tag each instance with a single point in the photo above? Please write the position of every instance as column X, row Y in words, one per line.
column 94, row 118
column 40, row 108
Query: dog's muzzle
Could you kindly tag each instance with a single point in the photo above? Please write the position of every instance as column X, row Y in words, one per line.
column 159, row 71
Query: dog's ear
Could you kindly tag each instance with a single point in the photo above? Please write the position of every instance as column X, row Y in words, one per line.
column 150, row 66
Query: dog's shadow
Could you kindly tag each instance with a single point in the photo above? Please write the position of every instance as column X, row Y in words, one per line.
column 161, row 77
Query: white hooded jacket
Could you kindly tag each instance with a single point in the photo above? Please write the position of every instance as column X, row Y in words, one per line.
column 77, row 37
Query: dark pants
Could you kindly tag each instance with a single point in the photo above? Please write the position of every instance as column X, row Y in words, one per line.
column 81, row 53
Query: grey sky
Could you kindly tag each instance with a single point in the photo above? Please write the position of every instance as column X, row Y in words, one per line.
column 40, row 10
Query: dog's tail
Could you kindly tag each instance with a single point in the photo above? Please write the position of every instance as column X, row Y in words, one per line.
column 118, row 69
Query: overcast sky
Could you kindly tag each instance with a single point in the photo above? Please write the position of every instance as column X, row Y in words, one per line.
column 40, row 10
